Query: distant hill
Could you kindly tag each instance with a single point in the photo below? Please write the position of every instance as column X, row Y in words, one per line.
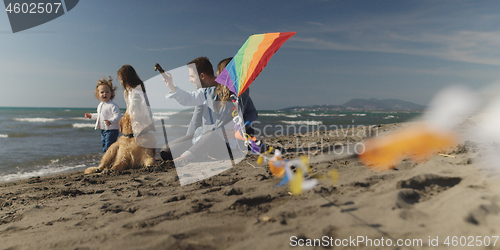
column 363, row 104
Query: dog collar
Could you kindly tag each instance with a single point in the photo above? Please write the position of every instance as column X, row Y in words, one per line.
column 129, row 135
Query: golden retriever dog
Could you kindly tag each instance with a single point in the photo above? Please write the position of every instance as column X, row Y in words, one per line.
column 125, row 153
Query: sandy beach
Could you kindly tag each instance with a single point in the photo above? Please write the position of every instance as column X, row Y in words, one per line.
column 416, row 205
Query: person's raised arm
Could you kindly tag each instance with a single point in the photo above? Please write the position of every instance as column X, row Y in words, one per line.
column 167, row 78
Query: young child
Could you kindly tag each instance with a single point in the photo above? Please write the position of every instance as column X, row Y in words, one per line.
column 108, row 113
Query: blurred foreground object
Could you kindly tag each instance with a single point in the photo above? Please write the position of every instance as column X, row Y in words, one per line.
column 419, row 142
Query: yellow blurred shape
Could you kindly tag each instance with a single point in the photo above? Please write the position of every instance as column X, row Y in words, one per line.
column 305, row 161
column 296, row 182
column 260, row 159
column 334, row 175
column 418, row 143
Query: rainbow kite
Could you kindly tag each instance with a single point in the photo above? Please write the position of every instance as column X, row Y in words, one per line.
column 251, row 58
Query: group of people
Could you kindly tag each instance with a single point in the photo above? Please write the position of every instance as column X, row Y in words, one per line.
column 211, row 121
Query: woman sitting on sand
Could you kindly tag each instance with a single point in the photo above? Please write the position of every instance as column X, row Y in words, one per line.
column 141, row 116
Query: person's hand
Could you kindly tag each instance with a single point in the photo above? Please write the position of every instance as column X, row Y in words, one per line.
column 108, row 123
column 88, row 115
column 167, row 78
column 169, row 81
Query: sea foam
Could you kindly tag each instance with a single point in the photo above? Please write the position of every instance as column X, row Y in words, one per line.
column 308, row 123
column 83, row 125
column 40, row 172
column 280, row 115
column 36, row 119
column 163, row 115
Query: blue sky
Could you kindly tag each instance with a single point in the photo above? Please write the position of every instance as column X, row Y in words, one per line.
column 342, row 50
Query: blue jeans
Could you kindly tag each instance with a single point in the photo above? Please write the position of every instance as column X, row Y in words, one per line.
column 108, row 137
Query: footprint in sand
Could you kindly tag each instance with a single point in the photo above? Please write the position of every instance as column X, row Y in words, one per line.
column 259, row 203
column 422, row 187
column 478, row 215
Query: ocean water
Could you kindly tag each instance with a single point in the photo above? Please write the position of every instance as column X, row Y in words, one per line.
column 43, row 141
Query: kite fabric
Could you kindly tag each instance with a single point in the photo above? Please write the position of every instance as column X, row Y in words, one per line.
column 250, row 60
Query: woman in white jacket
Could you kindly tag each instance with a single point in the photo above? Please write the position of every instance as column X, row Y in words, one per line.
column 141, row 116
